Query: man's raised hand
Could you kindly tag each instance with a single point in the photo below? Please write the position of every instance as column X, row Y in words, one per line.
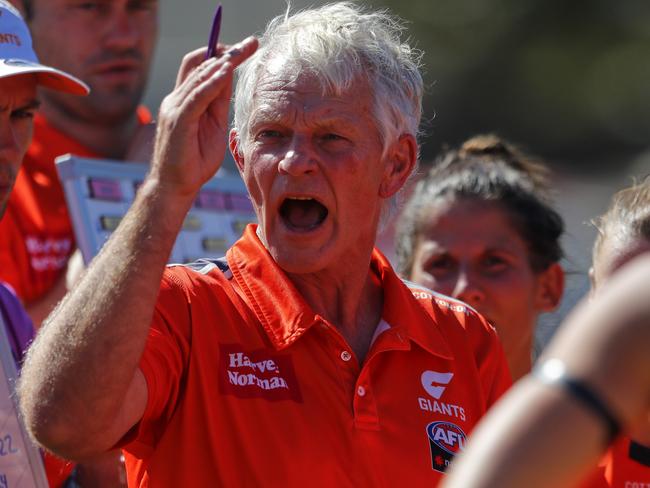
column 193, row 119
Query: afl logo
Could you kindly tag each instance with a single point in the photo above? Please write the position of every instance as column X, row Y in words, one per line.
column 445, row 440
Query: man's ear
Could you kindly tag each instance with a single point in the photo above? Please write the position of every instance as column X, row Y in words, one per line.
column 400, row 161
column 550, row 288
column 235, row 149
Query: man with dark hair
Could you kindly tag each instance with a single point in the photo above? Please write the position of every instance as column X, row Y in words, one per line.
column 109, row 45
column 20, row 75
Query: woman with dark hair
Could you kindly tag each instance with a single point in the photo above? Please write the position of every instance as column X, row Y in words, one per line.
column 480, row 227
column 591, row 390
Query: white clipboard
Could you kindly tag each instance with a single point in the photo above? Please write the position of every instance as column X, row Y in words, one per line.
column 99, row 192
column 21, row 465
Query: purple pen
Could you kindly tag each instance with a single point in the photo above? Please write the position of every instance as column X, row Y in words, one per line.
column 214, row 34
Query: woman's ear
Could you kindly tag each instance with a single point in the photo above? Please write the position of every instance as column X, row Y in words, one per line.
column 551, row 288
column 400, row 161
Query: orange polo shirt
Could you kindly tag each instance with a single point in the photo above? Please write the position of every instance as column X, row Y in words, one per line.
column 625, row 465
column 36, row 235
column 247, row 386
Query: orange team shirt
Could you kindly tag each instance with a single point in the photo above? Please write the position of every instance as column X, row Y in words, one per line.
column 624, row 465
column 247, row 386
column 36, row 235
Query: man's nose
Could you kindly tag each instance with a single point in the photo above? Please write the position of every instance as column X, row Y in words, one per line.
column 468, row 289
column 122, row 31
column 299, row 159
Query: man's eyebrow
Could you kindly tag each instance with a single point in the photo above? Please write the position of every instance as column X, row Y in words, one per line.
column 33, row 104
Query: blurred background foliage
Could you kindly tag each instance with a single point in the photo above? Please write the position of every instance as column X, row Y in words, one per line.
column 568, row 79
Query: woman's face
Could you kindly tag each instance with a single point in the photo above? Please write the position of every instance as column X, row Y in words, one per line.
column 470, row 250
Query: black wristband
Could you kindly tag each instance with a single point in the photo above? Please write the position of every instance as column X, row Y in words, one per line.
column 552, row 372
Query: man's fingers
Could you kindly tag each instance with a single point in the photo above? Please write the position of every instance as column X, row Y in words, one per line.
column 236, row 54
column 241, row 51
column 208, row 90
column 190, row 61
column 195, row 78
column 208, row 78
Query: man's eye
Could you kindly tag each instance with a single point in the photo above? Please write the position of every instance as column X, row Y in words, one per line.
column 143, row 5
column 269, row 134
column 332, row 137
column 93, row 7
column 22, row 114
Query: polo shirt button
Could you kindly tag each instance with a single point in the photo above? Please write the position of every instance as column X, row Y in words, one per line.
column 361, row 391
column 346, row 356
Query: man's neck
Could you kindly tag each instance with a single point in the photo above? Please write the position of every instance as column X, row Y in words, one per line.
column 110, row 141
column 352, row 303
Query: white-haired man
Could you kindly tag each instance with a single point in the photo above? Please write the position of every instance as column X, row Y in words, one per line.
column 301, row 359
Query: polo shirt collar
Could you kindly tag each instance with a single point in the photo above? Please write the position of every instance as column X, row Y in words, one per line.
column 403, row 312
column 285, row 315
column 280, row 308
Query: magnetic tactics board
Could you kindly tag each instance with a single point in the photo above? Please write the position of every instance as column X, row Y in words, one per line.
column 21, row 465
column 99, row 193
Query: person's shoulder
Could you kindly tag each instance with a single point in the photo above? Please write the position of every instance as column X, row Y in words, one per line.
column 446, row 308
column 16, row 317
column 8, row 295
column 469, row 336
column 201, row 273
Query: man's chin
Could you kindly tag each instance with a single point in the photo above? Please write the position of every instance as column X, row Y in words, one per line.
column 115, row 106
column 113, row 102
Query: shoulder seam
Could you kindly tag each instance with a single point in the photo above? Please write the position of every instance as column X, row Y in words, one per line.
column 438, row 296
column 204, row 266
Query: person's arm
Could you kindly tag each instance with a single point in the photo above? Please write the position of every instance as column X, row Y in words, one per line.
column 140, row 150
column 40, row 308
column 81, row 390
column 546, row 433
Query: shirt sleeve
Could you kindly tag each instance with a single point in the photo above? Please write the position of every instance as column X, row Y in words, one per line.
column 163, row 363
column 18, row 325
column 492, row 364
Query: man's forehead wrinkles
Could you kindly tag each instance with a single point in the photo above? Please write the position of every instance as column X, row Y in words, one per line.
column 266, row 112
column 321, row 115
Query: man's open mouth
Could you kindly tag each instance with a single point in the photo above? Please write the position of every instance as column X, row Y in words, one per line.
column 302, row 214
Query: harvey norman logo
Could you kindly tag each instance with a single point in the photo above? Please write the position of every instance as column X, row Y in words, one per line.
column 257, row 374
